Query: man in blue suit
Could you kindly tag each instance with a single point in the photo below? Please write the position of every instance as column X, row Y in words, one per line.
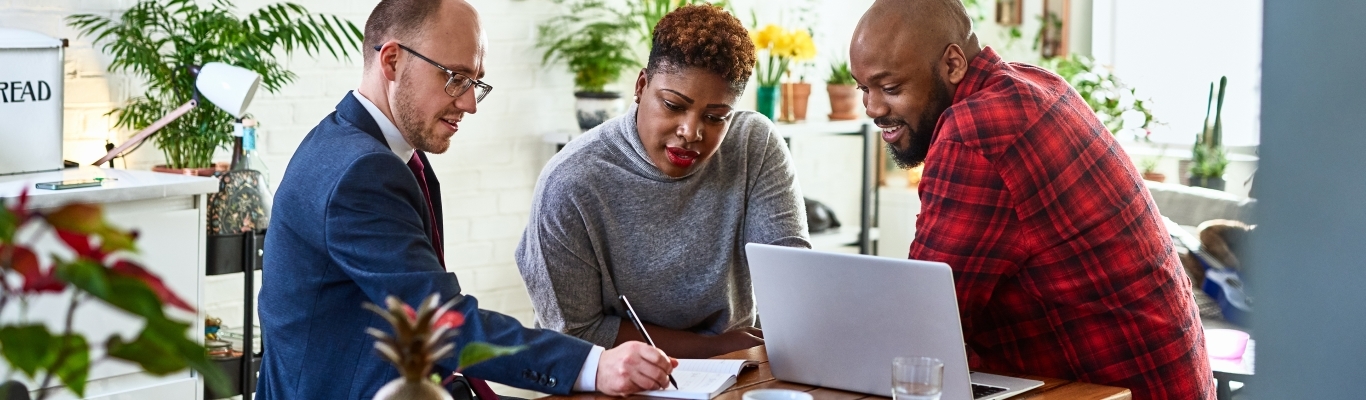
column 358, row 218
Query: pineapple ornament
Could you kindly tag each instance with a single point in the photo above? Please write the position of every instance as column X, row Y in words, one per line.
column 420, row 339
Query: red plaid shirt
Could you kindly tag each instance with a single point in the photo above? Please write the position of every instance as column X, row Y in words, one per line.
column 1062, row 264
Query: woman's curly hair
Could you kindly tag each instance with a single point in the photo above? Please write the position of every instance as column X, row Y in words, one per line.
column 706, row 37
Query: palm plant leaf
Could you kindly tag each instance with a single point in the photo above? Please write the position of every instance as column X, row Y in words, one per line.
column 156, row 40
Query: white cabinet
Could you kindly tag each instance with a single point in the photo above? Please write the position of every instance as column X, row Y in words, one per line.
column 168, row 211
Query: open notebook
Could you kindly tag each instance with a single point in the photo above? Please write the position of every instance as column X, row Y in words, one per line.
column 702, row 379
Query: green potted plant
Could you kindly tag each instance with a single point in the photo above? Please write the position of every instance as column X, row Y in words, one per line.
column 1116, row 104
column 1208, row 156
column 160, row 41
column 843, row 94
column 95, row 267
column 595, row 40
column 1148, row 166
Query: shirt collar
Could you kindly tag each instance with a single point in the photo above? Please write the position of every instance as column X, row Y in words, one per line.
column 397, row 143
column 979, row 69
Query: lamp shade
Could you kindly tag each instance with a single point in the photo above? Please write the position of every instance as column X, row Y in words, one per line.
column 228, row 87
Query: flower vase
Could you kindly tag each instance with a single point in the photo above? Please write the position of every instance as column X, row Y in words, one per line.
column 767, row 101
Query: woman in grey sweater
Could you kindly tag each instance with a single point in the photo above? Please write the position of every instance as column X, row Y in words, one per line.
column 657, row 204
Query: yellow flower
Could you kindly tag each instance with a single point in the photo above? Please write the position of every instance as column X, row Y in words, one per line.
column 803, row 48
column 764, row 38
column 782, row 45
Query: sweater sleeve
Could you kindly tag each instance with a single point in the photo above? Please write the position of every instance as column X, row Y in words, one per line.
column 775, row 211
column 561, row 269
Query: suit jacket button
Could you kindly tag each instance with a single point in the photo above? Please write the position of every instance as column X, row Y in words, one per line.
column 552, row 381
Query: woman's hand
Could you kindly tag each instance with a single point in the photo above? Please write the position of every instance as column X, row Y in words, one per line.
column 737, row 339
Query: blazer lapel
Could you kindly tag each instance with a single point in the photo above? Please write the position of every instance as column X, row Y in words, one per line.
column 352, row 111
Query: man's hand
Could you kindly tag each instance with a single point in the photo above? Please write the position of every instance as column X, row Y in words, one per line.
column 737, row 339
column 633, row 367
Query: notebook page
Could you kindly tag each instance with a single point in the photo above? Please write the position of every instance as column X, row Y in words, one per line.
column 694, row 385
column 727, row 367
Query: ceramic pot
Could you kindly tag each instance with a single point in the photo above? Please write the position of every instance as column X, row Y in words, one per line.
column 843, row 100
column 1154, row 176
column 795, row 96
column 594, row 108
column 400, row 389
column 1209, row 182
column 767, row 100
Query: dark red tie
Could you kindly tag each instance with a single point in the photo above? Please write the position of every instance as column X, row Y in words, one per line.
column 480, row 387
column 415, row 164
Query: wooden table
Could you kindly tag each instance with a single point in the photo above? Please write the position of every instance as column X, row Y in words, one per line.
column 762, row 378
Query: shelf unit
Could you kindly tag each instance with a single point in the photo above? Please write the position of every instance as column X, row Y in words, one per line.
column 241, row 253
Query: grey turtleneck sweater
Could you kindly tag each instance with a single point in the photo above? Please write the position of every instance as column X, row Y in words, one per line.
column 605, row 221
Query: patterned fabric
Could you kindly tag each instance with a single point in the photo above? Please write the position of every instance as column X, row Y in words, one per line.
column 242, row 203
column 1061, row 262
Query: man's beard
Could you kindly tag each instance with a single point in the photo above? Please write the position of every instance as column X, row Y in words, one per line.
column 411, row 125
column 921, row 134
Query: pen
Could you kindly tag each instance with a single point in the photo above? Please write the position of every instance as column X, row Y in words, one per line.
column 635, row 321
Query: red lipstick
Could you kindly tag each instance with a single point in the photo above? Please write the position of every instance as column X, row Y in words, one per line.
column 681, row 157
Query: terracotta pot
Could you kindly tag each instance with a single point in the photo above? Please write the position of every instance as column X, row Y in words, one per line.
column 795, row 96
column 1154, row 176
column 843, row 100
column 222, row 166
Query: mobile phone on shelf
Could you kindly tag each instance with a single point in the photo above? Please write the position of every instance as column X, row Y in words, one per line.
column 69, row 184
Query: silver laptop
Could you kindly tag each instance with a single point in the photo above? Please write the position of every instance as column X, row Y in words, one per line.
column 837, row 321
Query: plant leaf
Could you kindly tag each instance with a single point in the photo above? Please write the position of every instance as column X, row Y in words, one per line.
column 76, row 364
column 81, row 218
column 154, row 357
column 135, row 271
column 477, row 352
column 86, row 275
column 27, row 347
column 8, row 224
column 79, row 242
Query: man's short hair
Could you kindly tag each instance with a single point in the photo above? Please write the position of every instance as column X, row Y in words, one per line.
column 396, row 19
column 706, row 37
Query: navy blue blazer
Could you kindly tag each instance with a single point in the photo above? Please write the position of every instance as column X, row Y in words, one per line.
column 349, row 226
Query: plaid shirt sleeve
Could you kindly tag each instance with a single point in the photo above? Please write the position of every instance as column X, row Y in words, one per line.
column 1061, row 263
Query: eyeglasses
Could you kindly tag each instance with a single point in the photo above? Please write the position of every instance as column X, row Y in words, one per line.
column 456, row 83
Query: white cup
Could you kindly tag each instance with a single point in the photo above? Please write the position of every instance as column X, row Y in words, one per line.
column 776, row 394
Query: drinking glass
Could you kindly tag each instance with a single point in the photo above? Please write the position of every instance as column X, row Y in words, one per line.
column 917, row 378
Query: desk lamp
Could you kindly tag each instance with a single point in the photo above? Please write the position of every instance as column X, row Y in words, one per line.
column 229, row 87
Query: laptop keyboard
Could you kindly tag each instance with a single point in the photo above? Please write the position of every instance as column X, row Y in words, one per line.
column 982, row 391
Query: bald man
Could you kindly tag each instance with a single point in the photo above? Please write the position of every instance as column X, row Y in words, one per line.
column 358, row 218
column 1061, row 262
